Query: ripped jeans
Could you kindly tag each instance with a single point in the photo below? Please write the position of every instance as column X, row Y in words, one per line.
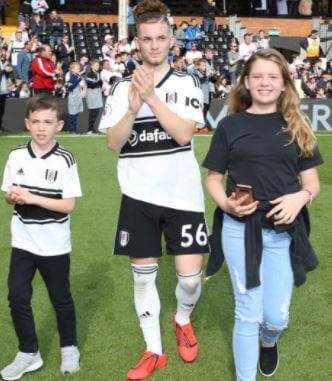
column 261, row 313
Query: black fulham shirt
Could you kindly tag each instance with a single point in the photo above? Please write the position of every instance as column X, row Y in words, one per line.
column 254, row 150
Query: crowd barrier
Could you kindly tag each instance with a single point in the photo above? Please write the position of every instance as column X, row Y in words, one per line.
column 318, row 111
column 15, row 112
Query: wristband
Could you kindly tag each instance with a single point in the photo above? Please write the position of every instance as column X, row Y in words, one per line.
column 311, row 196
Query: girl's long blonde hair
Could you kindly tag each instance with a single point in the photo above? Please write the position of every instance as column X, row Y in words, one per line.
column 298, row 123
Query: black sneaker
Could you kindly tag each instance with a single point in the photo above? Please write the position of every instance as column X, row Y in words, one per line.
column 268, row 360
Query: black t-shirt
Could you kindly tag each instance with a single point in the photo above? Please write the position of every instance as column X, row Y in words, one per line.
column 254, row 150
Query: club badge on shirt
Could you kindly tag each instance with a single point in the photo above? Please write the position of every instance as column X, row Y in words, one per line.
column 51, row 175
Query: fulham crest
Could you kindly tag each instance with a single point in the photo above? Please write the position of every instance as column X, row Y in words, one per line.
column 123, row 238
column 51, row 175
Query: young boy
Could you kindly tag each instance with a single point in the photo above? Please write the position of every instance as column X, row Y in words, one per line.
column 94, row 98
column 76, row 92
column 41, row 180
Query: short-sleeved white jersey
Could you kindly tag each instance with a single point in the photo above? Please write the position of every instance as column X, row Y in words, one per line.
column 152, row 166
column 35, row 229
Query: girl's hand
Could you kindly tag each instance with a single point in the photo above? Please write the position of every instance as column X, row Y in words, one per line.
column 233, row 206
column 287, row 207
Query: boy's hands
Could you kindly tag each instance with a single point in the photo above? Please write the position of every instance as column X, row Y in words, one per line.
column 19, row 195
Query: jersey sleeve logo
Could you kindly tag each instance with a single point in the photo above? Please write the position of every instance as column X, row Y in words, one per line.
column 51, row 175
column 171, row 98
column 193, row 102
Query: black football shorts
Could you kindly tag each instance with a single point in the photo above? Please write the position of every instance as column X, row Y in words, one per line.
column 141, row 226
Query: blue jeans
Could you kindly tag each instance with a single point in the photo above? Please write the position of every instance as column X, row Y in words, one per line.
column 209, row 26
column 261, row 313
column 55, row 41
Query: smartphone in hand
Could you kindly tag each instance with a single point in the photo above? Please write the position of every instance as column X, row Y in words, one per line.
column 242, row 190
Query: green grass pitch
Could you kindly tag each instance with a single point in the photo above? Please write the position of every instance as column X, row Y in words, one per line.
column 110, row 340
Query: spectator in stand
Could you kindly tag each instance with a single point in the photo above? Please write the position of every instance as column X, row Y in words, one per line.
column 13, row 50
column 6, row 76
column 247, row 48
column 292, row 67
column 35, row 45
column 193, row 53
column 316, row 67
column 24, row 60
column 65, row 53
column 84, row 64
column 222, row 87
column 2, row 39
column 190, row 65
column 44, row 71
column 12, row 90
column 170, row 19
column 123, row 45
column 234, row 62
column 200, row 72
column 108, row 46
column 106, row 75
column 55, row 28
column 36, row 25
column 22, row 27
column 94, row 97
column 309, row 85
column 23, row 90
column 3, row 8
column 24, row 11
column 320, row 92
column 292, row 7
column 282, row 9
column 125, row 60
column 211, row 72
column 59, row 88
column 175, row 52
column 312, row 46
column 263, row 41
column 178, row 64
column 134, row 61
column 210, row 11
column 193, row 33
column 131, row 19
column 39, row 6
column 180, row 34
column 117, row 67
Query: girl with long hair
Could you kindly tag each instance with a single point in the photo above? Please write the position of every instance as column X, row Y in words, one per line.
column 267, row 145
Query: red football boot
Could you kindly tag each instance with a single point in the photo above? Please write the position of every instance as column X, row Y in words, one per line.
column 147, row 365
column 187, row 342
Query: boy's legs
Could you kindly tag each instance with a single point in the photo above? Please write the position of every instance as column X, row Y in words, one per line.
column 93, row 114
column 55, row 273
column 22, row 270
column 188, row 289
column 147, row 302
column 21, row 273
column 73, row 122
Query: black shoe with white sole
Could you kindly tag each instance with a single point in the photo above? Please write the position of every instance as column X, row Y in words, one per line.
column 268, row 360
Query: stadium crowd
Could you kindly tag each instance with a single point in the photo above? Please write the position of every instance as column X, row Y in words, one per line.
column 40, row 56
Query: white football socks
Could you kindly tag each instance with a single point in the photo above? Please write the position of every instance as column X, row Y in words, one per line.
column 147, row 305
column 187, row 292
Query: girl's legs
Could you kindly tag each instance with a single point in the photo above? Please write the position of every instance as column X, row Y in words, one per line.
column 278, row 280
column 267, row 304
column 248, row 303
